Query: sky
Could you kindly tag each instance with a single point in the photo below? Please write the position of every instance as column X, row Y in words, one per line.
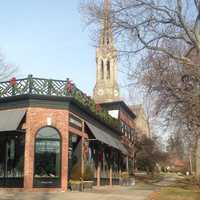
column 47, row 38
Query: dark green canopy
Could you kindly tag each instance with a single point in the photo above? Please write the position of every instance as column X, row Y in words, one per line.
column 106, row 138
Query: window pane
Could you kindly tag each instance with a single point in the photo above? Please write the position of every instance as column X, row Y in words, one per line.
column 11, row 160
column 102, row 70
column 48, row 133
column 47, row 153
column 47, row 158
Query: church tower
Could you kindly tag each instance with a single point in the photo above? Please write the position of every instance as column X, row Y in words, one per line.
column 106, row 88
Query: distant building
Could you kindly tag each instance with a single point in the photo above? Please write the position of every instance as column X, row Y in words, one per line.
column 120, row 111
column 141, row 121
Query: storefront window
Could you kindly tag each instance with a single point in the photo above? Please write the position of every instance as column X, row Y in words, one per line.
column 47, row 158
column 11, row 159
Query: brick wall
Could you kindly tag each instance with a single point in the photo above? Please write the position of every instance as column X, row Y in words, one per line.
column 37, row 118
column 126, row 118
column 125, row 140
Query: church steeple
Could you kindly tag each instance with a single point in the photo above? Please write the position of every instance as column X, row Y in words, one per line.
column 106, row 88
column 106, row 36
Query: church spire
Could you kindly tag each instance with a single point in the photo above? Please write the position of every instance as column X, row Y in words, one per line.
column 106, row 88
column 106, row 36
column 107, row 6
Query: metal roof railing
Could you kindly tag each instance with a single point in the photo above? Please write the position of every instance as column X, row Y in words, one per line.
column 59, row 88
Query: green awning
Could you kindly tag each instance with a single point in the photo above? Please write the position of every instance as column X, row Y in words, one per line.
column 11, row 119
column 106, row 138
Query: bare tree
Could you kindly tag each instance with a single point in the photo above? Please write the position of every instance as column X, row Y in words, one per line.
column 164, row 36
column 145, row 24
column 6, row 70
column 148, row 154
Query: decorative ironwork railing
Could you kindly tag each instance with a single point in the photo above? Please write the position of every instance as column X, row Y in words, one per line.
column 59, row 88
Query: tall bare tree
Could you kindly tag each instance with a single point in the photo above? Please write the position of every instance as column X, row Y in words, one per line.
column 6, row 70
column 164, row 36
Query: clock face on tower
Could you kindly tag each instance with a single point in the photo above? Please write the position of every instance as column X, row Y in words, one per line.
column 100, row 92
column 116, row 93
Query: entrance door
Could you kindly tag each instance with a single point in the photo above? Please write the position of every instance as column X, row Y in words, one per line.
column 11, row 160
column 74, row 159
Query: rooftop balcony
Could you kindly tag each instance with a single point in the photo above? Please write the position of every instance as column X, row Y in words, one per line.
column 58, row 88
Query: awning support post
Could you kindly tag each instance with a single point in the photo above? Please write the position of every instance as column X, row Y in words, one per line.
column 98, row 174
column 127, row 167
column 110, row 175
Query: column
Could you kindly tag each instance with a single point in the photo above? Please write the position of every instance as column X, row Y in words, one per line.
column 64, row 154
column 110, row 175
column 82, row 156
column 98, row 174
column 28, row 155
column 127, row 166
column 64, row 163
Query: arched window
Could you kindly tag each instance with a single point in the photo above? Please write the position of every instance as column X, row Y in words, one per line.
column 108, row 41
column 47, row 158
column 102, row 70
column 108, row 69
column 108, row 38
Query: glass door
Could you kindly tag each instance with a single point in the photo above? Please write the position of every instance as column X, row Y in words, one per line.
column 74, row 159
column 11, row 160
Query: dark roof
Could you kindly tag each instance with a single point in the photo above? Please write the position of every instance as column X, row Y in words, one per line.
column 54, row 102
column 106, row 138
column 118, row 105
column 11, row 119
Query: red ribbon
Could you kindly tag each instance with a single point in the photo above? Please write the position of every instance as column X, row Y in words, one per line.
column 13, row 81
column 70, row 86
column 98, row 108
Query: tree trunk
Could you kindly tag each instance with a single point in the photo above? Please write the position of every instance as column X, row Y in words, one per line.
column 198, row 159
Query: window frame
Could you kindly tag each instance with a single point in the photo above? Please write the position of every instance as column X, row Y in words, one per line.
column 36, row 183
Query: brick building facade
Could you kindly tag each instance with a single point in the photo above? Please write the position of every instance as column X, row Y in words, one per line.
column 50, row 131
column 46, row 131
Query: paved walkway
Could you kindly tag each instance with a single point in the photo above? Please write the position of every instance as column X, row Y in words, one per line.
column 169, row 179
column 137, row 192
column 104, row 193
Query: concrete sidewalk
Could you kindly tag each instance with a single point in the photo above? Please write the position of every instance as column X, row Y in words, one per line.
column 103, row 193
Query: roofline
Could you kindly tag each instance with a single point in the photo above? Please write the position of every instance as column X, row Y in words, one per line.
column 67, row 99
column 126, row 107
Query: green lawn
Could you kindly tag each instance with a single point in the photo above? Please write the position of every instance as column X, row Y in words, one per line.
column 184, row 188
column 176, row 194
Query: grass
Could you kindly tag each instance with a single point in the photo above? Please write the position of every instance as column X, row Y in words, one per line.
column 187, row 182
column 176, row 194
column 148, row 178
column 182, row 189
